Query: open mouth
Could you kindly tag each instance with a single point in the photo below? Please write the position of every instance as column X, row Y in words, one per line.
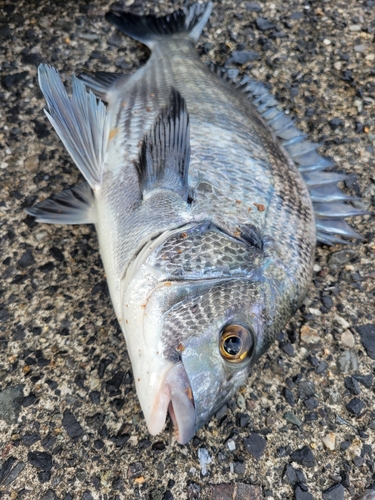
column 176, row 398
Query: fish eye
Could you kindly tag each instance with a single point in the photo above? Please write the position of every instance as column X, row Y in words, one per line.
column 236, row 343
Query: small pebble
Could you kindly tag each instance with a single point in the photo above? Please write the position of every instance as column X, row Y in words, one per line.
column 355, row 406
column 253, row 7
column 367, row 335
column 31, row 163
column 292, row 419
column 241, row 403
column 221, row 412
column 231, row 445
column 322, row 367
column 347, row 339
column 288, row 348
column 306, row 389
column 309, row 335
column 239, row 467
column 327, row 42
column 204, row 460
column 12, row 475
column 335, row 492
column 335, row 123
column 358, row 461
column 263, row 24
column 338, row 259
column 10, row 403
column 289, row 397
column 41, row 235
column 26, row 260
column 329, row 441
column 301, row 494
column 368, row 495
column 355, row 27
column 347, row 362
column 71, row 425
column 359, row 48
column 255, row 445
column 344, row 445
column 311, row 403
column 135, row 470
column 365, row 380
column 303, row 456
column 40, row 459
column 341, row 322
column 293, row 475
column 352, row 385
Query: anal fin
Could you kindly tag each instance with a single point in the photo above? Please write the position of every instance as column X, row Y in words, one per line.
column 75, row 205
column 165, row 151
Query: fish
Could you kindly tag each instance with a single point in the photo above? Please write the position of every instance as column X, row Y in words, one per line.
column 208, row 204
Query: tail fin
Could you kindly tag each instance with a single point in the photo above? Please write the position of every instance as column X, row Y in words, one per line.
column 150, row 29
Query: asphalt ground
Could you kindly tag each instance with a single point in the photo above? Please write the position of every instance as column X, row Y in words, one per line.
column 70, row 423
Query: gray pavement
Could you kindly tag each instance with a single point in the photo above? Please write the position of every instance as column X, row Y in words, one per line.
column 70, row 423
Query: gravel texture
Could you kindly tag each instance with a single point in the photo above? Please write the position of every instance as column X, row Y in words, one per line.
column 70, row 423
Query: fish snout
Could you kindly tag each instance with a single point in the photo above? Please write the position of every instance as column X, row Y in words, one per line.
column 176, row 398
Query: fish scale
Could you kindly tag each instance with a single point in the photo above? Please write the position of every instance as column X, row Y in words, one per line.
column 203, row 250
column 199, row 188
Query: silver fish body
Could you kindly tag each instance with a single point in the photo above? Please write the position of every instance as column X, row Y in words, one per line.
column 206, row 226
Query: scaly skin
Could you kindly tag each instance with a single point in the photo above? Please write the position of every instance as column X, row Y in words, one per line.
column 244, row 185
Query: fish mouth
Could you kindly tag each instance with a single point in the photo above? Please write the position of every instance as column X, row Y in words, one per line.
column 176, row 398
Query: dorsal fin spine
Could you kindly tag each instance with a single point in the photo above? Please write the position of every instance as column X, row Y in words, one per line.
column 330, row 208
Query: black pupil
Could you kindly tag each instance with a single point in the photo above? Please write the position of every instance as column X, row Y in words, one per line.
column 232, row 345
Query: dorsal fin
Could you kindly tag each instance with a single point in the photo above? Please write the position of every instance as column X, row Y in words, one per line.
column 149, row 30
column 328, row 200
column 165, row 151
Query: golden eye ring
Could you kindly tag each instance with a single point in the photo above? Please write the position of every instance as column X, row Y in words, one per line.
column 236, row 343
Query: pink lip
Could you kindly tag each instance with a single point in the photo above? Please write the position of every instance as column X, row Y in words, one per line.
column 175, row 397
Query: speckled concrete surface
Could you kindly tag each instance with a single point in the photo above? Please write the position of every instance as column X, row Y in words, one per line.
column 70, row 423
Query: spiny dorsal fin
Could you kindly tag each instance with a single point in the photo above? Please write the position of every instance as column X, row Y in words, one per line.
column 329, row 202
column 101, row 82
column 150, row 29
column 165, row 151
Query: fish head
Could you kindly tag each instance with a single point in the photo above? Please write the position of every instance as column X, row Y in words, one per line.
column 200, row 342
column 222, row 338
column 198, row 337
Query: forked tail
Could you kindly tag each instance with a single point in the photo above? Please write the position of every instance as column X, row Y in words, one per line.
column 188, row 22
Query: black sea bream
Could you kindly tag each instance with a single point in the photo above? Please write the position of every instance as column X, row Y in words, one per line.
column 207, row 202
